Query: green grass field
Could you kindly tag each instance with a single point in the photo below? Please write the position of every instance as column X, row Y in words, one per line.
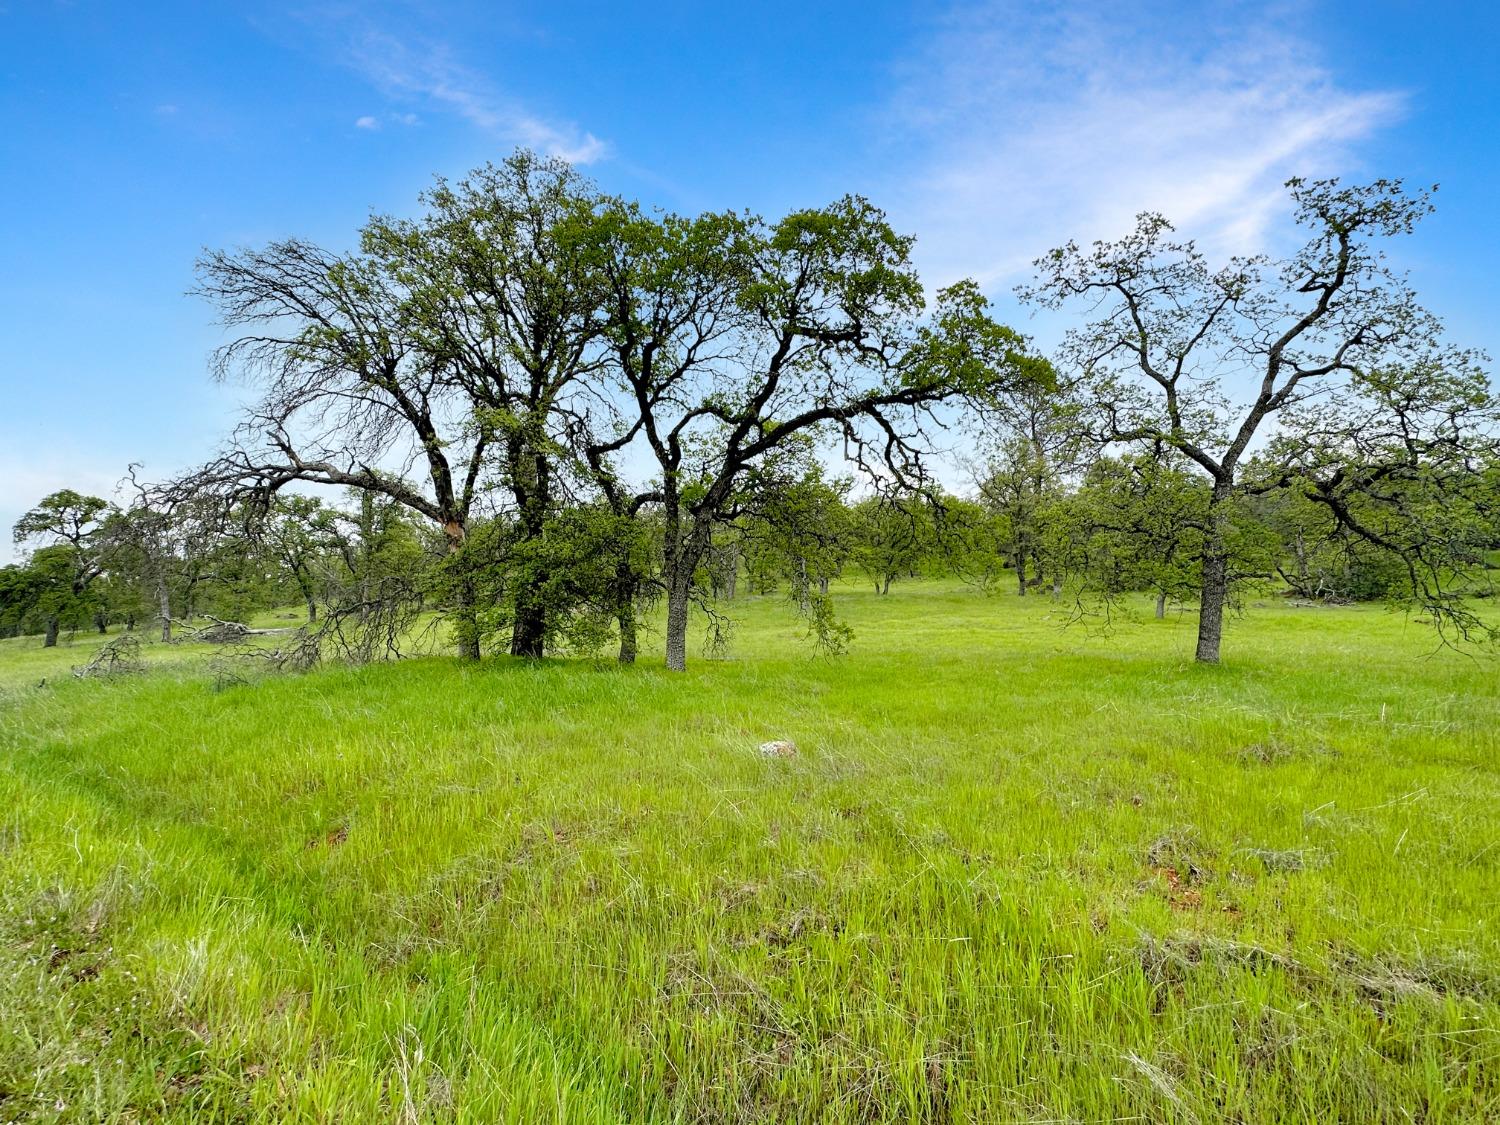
column 1015, row 874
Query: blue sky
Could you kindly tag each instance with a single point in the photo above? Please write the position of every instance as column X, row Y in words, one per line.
column 134, row 134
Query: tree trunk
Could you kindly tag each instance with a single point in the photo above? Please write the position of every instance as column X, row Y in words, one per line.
column 679, row 589
column 1057, row 586
column 627, row 584
column 466, row 619
column 1021, row 572
column 312, row 610
column 886, row 587
column 823, row 585
column 683, row 554
column 1161, row 606
column 50, row 640
column 1215, row 581
column 102, row 623
column 528, row 633
column 629, row 645
column 164, row 609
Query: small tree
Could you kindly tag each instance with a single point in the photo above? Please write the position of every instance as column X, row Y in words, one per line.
column 68, row 524
column 893, row 537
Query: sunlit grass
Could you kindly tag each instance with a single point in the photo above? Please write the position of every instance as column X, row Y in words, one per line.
column 1015, row 873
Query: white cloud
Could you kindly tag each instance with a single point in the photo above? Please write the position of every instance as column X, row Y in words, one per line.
column 428, row 71
column 1029, row 126
column 367, row 122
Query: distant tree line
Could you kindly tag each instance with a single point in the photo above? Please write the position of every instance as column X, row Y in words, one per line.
column 538, row 410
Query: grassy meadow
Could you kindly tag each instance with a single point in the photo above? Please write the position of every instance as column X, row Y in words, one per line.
column 1016, row 873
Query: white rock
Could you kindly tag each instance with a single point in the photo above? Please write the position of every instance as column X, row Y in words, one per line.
column 779, row 748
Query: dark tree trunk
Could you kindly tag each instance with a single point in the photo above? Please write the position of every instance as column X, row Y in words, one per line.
column 823, row 585
column 50, row 640
column 1021, row 573
column 312, row 610
column 683, row 554
column 528, row 633
column 101, row 623
column 629, row 645
column 1215, row 581
column 1300, row 549
column 626, row 585
column 1161, row 606
column 467, row 621
column 886, row 586
column 164, row 609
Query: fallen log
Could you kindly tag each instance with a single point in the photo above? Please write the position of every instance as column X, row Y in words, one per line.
column 223, row 632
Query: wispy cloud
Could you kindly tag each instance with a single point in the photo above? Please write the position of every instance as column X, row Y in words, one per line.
column 1027, row 126
column 367, row 122
column 427, row 72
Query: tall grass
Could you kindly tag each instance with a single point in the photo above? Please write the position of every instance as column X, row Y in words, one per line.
column 1016, row 873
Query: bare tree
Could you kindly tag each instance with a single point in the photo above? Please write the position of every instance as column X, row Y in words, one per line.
column 349, row 397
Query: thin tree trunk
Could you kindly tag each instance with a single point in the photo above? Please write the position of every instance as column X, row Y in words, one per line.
column 1215, row 582
column 886, row 588
column 629, row 644
column 312, row 609
column 50, row 640
column 678, row 592
column 1021, row 573
column 102, row 623
column 823, row 585
column 1161, row 606
column 164, row 608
